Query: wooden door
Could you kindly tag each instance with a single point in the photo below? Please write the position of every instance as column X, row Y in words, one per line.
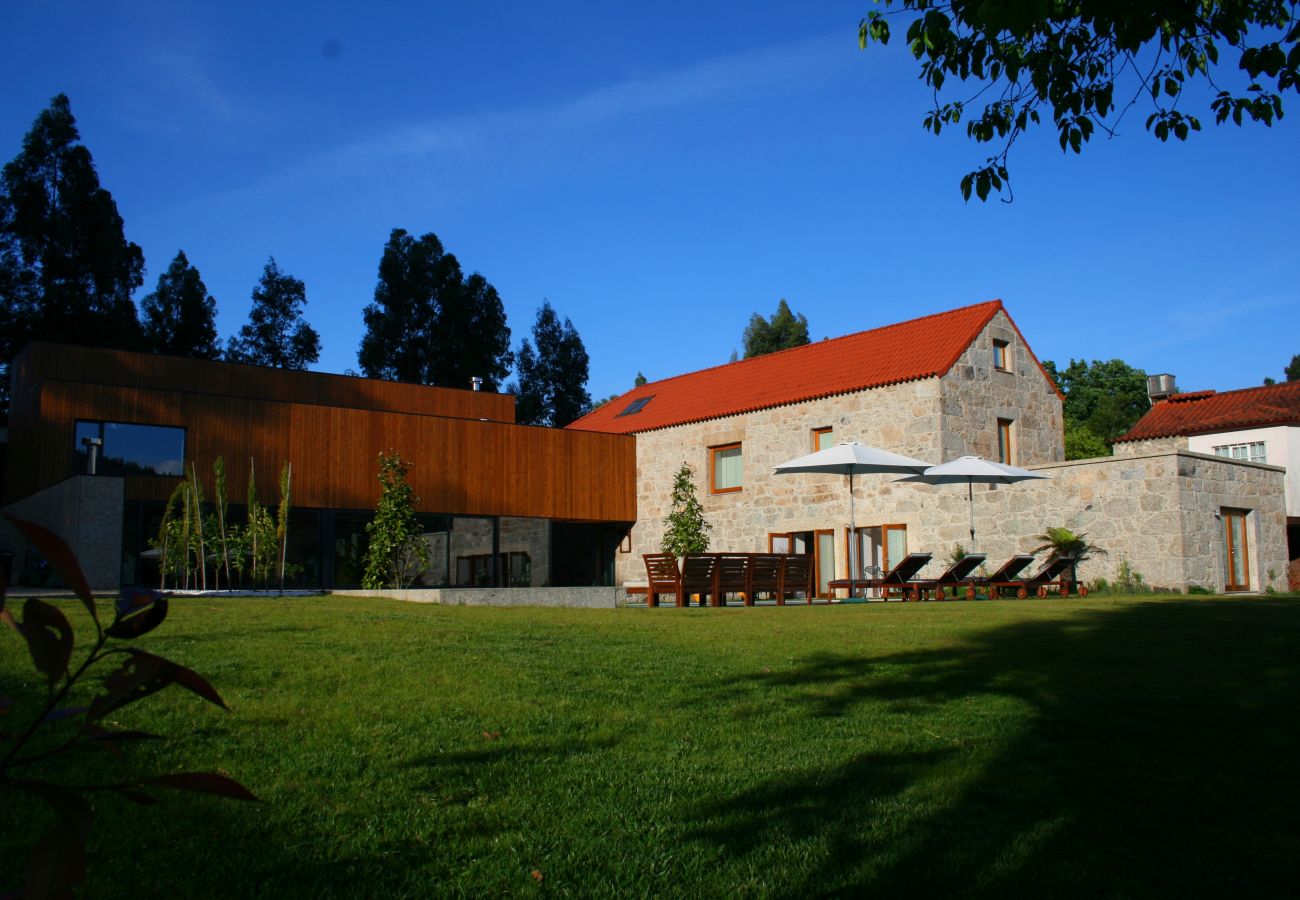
column 1236, row 576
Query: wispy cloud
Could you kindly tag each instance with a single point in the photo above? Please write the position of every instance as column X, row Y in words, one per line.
column 506, row 140
column 1204, row 320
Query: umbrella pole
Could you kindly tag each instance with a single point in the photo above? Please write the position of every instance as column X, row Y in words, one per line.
column 853, row 539
column 970, row 499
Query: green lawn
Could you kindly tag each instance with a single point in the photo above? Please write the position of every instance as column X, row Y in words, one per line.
column 1084, row 748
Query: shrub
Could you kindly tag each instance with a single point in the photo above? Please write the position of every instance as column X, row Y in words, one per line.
column 1128, row 580
column 398, row 552
column 687, row 531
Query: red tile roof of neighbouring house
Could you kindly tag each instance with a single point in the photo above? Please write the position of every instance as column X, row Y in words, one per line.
column 921, row 348
column 1205, row 412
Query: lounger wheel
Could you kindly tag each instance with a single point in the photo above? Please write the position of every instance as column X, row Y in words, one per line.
column 970, row 593
column 1065, row 590
column 994, row 593
column 914, row 595
column 1083, row 591
column 1021, row 593
column 938, row 593
column 1042, row 593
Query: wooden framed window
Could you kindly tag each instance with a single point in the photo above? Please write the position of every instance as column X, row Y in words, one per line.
column 1002, row 356
column 823, row 438
column 726, row 469
column 1005, row 448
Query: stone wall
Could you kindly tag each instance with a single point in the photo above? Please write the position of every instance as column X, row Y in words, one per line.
column 904, row 418
column 976, row 395
column 570, row 597
column 1158, row 512
column 86, row 511
column 1151, row 445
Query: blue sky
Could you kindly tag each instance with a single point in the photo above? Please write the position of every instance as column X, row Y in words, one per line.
column 658, row 172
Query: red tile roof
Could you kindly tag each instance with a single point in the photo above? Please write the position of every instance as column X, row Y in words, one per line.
column 1205, row 412
column 922, row 348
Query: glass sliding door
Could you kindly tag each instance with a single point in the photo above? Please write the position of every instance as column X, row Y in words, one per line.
column 1236, row 576
column 825, row 562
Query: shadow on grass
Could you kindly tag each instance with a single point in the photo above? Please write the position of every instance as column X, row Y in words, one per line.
column 1153, row 754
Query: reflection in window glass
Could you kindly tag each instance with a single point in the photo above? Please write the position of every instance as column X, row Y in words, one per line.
column 130, row 449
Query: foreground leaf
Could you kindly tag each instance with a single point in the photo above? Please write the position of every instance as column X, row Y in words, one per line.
column 204, row 783
column 61, row 558
column 49, row 638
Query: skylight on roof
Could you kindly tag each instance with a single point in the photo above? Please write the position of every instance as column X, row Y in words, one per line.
column 635, row 406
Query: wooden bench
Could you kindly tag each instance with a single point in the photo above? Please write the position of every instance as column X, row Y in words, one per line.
column 716, row 575
column 732, row 577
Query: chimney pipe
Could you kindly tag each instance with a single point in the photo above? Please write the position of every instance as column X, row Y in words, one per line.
column 92, row 446
column 1160, row 387
column 476, row 383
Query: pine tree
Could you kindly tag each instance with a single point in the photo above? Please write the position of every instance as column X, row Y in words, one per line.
column 67, row 271
column 783, row 331
column 686, row 530
column 552, row 385
column 276, row 333
column 428, row 323
column 179, row 317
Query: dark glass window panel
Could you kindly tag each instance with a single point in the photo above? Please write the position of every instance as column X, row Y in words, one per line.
column 131, row 449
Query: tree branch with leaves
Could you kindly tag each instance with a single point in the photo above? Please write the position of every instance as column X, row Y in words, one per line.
column 1086, row 63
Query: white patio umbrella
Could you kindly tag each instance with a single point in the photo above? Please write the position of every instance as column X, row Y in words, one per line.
column 851, row 458
column 972, row 470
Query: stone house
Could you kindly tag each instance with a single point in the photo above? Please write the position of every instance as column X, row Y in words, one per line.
column 1258, row 425
column 934, row 388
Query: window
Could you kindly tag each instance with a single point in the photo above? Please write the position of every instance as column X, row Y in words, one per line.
column 126, row 449
column 822, row 438
column 476, row 570
column 1002, row 356
column 635, row 406
column 726, row 469
column 1004, row 441
column 1252, row 452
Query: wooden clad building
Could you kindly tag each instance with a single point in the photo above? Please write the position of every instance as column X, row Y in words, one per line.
column 150, row 417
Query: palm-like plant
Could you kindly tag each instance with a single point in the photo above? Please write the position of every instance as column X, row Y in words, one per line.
column 1065, row 544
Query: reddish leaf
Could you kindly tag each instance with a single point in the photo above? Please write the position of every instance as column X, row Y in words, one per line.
column 60, row 557
column 143, row 674
column 189, row 679
column 8, row 618
column 204, row 783
column 49, row 638
column 57, row 864
column 139, row 676
column 142, row 618
column 108, row 739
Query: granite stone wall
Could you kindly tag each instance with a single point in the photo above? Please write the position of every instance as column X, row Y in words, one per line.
column 84, row 510
column 934, row 419
column 976, row 395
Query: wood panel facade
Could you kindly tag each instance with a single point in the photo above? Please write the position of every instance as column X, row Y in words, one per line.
column 461, row 464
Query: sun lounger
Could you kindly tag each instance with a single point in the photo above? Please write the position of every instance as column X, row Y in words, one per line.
column 1051, row 575
column 1006, row 574
column 956, row 578
column 898, row 578
column 699, row 576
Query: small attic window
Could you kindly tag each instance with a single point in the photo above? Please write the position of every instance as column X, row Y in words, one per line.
column 635, row 406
